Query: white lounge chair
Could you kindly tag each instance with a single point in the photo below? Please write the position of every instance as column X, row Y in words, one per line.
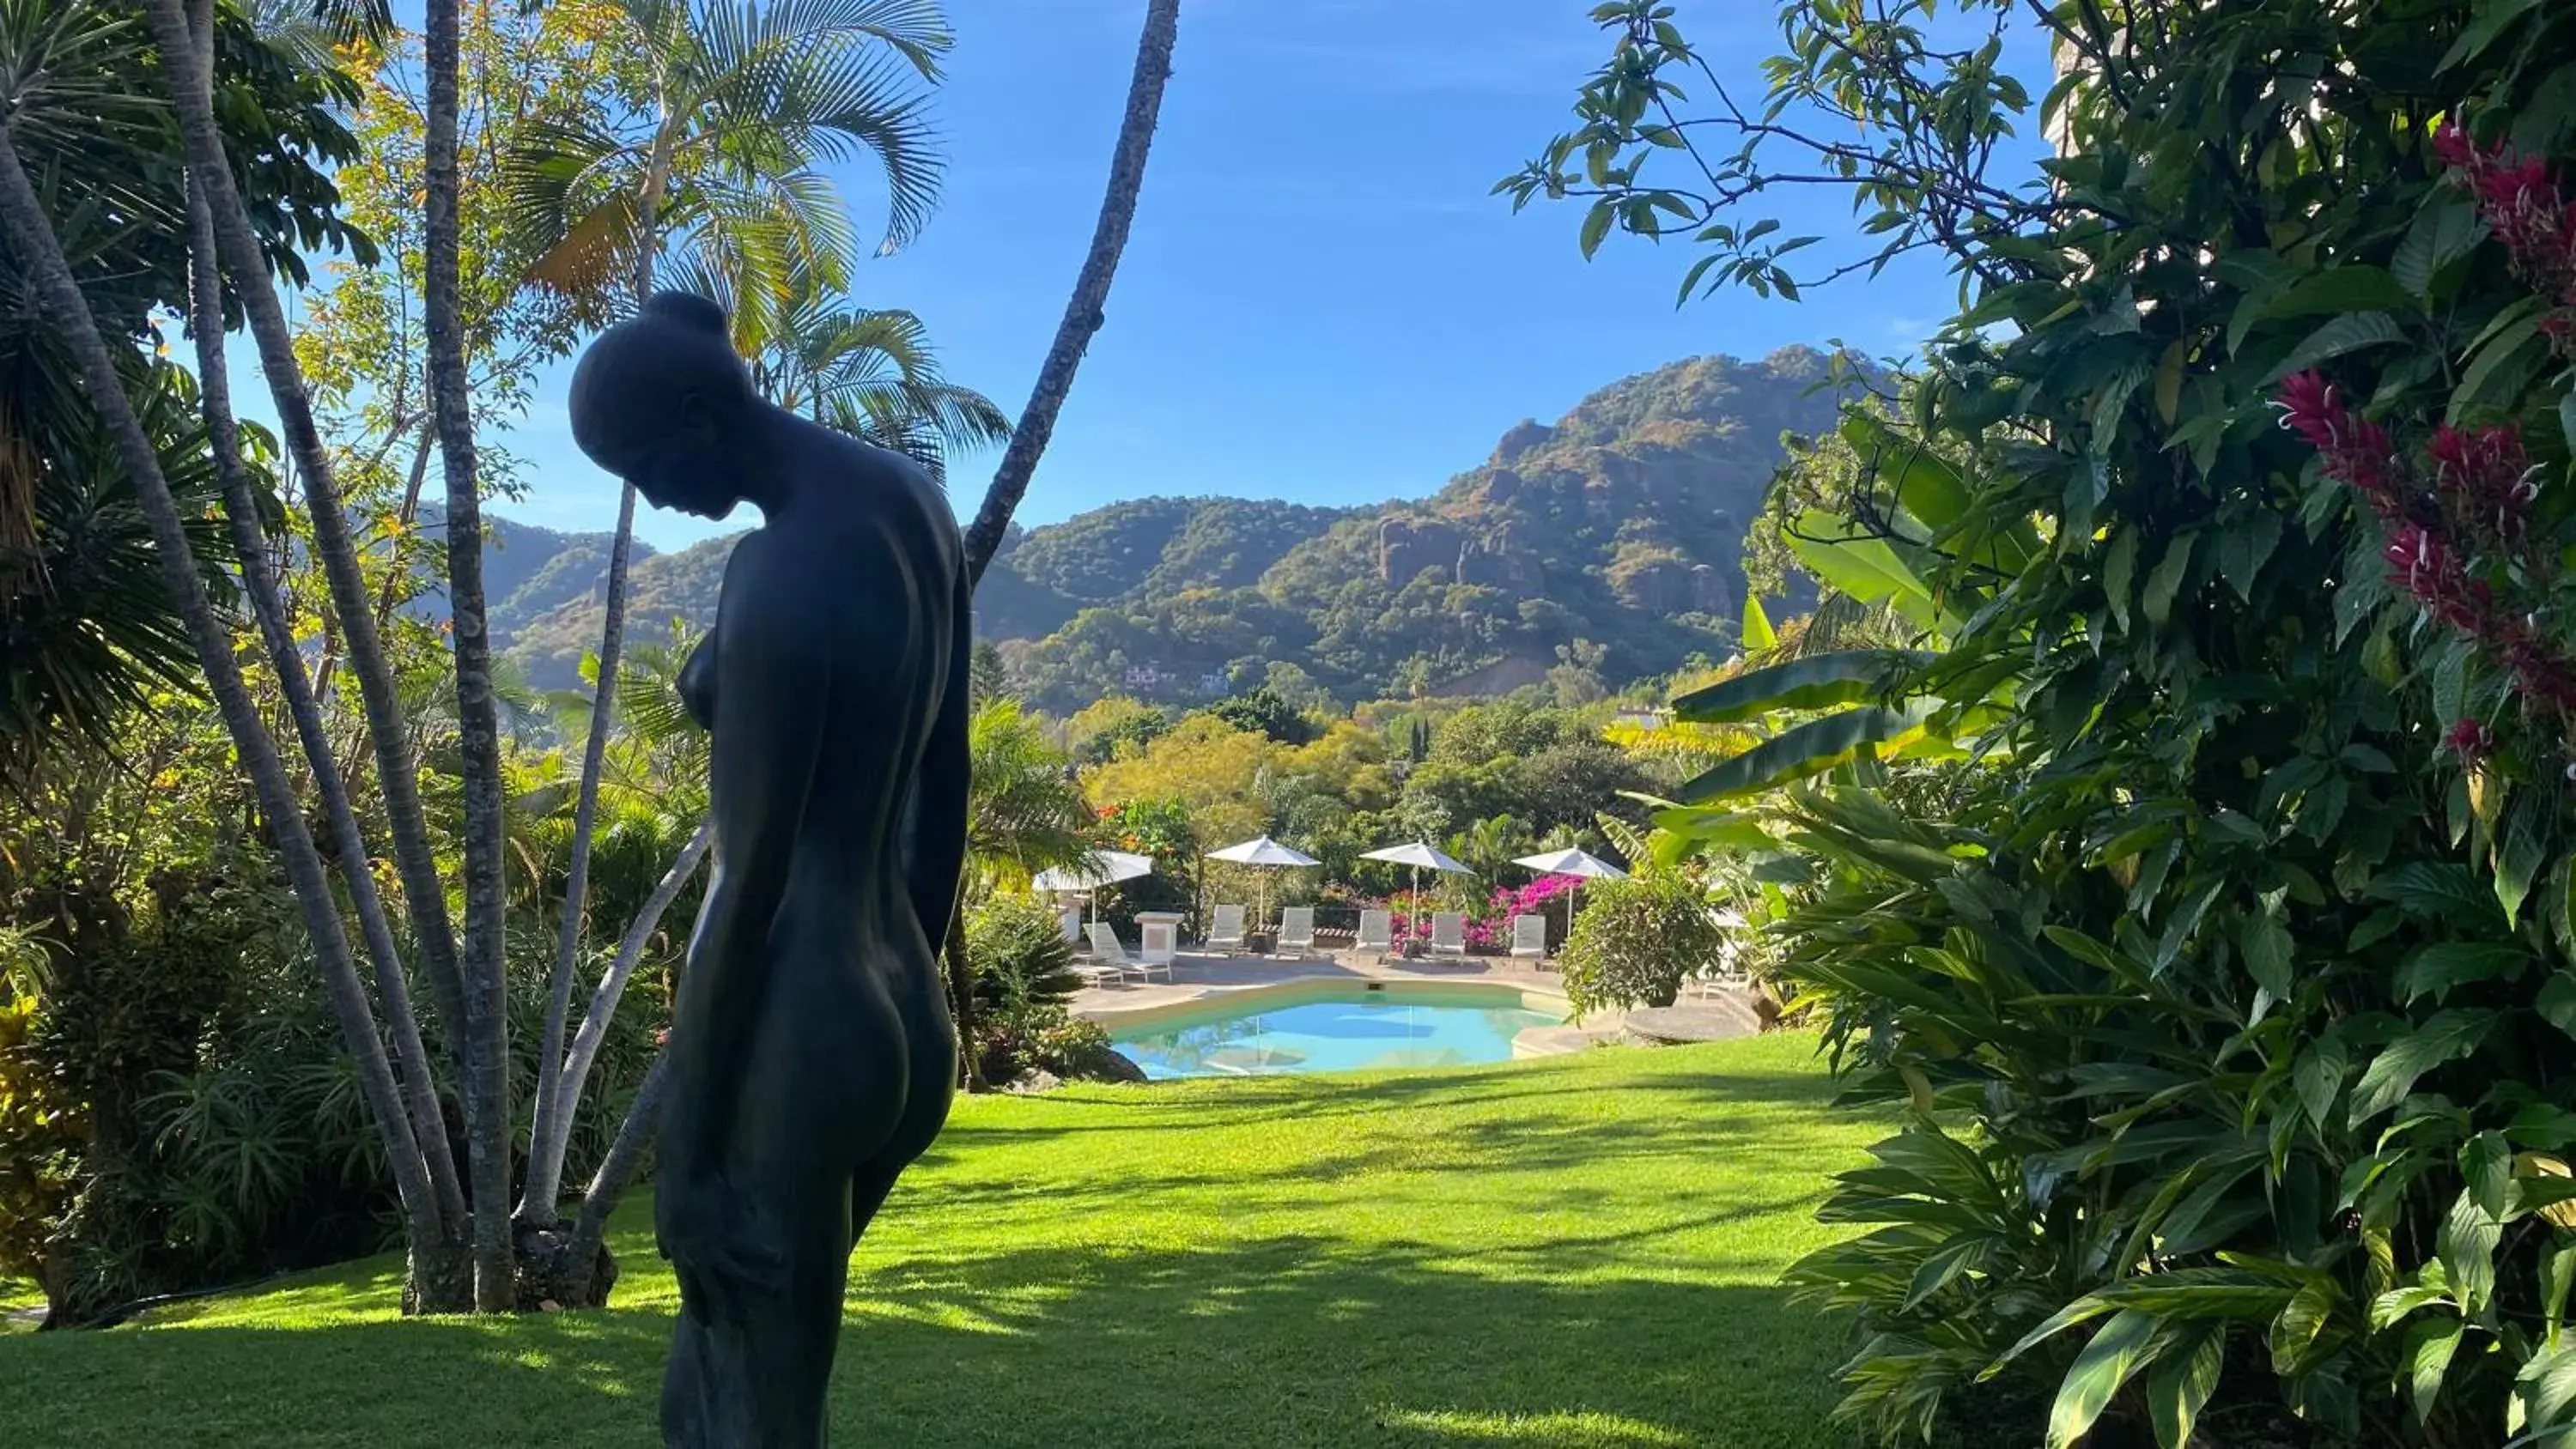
column 1154, row 951
column 1529, row 937
column 1449, row 933
column 1226, row 929
column 1110, row 965
column 1297, row 930
column 1377, row 931
column 1072, row 919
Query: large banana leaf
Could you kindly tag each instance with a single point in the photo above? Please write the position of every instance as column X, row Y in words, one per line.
column 1813, row 748
column 1819, row 681
column 1871, row 569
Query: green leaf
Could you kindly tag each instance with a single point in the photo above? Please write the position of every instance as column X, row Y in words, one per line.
column 2449, row 1036
column 2301, row 1323
column 2244, row 548
column 1817, row 681
column 2445, row 230
column 2348, row 333
column 2167, row 580
column 2466, row 1246
column 2180, row 1384
column 1596, row 225
column 2557, row 1000
column 2437, row 891
column 2519, row 859
column 1868, row 569
column 2490, row 19
column 2486, row 1163
column 2318, row 1077
column 2267, row 947
column 1811, row 748
column 2105, row 1364
column 2120, row 574
column 1757, row 632
column 2437, row 970
column 2491, row 379
column 2355, row 288
column 1928, row 489
column 2567, row 418
column 2429, row 1346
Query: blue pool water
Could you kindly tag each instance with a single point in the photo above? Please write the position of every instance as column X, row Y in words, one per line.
column 1356, row 1031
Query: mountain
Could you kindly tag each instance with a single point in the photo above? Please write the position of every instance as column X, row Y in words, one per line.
column 530, row 572
column 1611, row 537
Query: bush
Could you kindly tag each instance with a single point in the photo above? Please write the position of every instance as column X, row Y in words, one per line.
column 1023, row 978
column 1636, row 941
column 1022, row 961
column 2229, row 991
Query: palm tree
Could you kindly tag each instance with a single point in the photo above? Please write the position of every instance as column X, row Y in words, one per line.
column 245, row 260
column 867, row 373
column 1083, row 312
column 43, row 100
column 1025, row 811
column 735, row 110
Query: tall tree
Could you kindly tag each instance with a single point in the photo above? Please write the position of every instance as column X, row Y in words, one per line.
column 478, row 727
column 717, row 162
column 1084, row 311
column 46, row 100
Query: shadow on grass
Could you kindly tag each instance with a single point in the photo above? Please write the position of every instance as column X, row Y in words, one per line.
column 1290, row 1342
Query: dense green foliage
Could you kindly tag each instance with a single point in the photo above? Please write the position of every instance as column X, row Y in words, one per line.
column 87, row 629
column 2229, row 983
column 1556, row 1255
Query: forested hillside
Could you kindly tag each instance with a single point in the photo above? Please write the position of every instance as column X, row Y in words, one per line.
column 1610, row 539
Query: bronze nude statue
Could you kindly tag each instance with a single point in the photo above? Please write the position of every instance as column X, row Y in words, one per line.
column 812, row 1054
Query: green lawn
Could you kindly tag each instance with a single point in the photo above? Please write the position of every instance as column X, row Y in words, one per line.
column 1573, row 1252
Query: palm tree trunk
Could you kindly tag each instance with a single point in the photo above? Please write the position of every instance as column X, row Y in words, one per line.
column 32, row 233
column 1083, row 313
column 478, row 724
column 617, row 1169
column 551, row 1120
column 553, row 1138
column 961, row 995
column 393, row 990
column 537, row 1209
column 424, row 896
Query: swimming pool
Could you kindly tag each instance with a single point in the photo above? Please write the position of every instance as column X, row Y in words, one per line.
column 1335, row 1028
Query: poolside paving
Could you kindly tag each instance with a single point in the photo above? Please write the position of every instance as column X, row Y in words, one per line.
column 1199, row 977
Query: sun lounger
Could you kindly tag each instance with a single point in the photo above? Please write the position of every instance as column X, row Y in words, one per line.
column 1377, row 931
column 1226, row 929
column 1110, row 965
column 1449, row 933
column 1297, row 930
column 1529, row 937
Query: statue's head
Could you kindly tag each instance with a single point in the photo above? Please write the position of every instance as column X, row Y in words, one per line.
column 662, row 401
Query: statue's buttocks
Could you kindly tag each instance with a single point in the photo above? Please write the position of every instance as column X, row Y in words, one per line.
column 812, row 1055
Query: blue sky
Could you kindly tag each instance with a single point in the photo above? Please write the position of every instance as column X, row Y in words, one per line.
column 1320, row 301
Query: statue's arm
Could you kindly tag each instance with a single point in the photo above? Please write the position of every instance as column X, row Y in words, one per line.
column 937, row 857
column 770, row 667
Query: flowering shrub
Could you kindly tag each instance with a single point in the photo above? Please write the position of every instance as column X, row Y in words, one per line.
column 1489, row 931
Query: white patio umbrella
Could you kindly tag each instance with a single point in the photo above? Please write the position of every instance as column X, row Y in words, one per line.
column 1268, row 854
column 1583, row 865
column 1107, row 867
column 1421, row 855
